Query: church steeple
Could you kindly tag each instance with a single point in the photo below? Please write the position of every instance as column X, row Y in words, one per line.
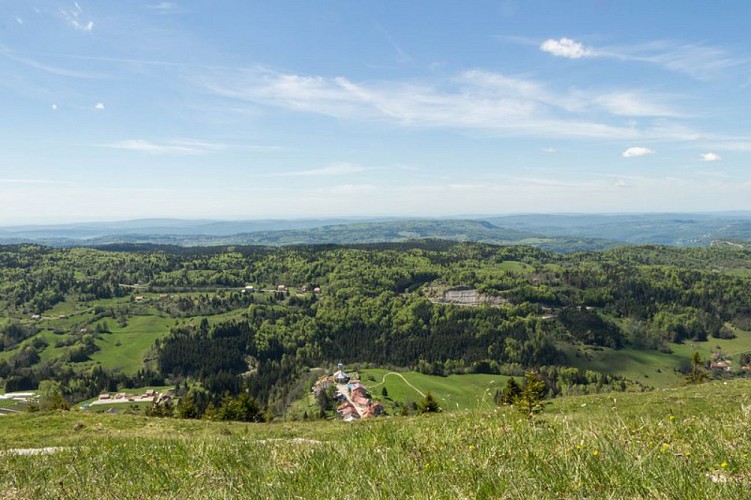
column 340, row 377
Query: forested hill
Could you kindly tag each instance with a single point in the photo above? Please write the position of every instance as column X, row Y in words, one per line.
column 322, row 233
column 564, row 233
column 92, row 319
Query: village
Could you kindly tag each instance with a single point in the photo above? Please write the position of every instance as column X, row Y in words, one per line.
column 353, row 398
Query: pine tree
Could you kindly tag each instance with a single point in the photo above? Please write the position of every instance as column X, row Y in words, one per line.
column 529, row 401
column 697, row 374
column 428, row 405
column 510, row 393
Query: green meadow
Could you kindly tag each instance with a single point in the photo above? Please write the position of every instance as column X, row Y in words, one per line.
column 655, row 368
column 690, row 442
column 453, row 392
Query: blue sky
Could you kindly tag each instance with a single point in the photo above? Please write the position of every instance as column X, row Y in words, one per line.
column 236, row 109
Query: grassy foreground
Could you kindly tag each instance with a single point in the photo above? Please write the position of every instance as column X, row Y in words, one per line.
column 685, row 443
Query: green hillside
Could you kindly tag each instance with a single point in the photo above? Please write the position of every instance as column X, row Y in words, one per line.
column 453, row 392
column 690, row 442
column 456, row 319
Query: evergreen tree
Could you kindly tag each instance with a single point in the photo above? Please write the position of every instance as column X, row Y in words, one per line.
column 697, row 373
column 529, row 401
column 510, row 393
column 428, row 405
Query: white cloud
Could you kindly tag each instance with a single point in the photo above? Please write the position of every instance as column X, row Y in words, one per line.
column 620, row 183
column 99, row 106
column 699, row 61
column 566, row 47
column 73, row 18
column 346, row 189
column 474, row 99
column 179, row 147
column 163, row 6
column 632, row 104
column 45, row 67
column 710, row 157
column 335, row 169
column 54, row 107
column 166, row 8
column 637, row 151
column 550, row 150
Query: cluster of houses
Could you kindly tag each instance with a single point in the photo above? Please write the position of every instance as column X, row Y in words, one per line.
column 121, row 397
column 359, row 405
column 722, row 363
column 352, row 395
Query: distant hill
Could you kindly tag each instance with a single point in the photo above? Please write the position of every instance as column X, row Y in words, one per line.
column 550, row 232
column 203, row 233
column 162, row 227
column 662, row 229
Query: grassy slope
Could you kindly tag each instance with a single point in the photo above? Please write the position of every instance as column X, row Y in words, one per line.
column 624, row 445
column 135, row 341
column 123, row 349
column 643, row 365
column 453, row 392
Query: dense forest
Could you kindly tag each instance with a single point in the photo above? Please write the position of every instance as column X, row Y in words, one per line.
column 380, row 304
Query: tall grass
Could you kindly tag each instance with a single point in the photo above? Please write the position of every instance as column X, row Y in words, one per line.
column 692, row 443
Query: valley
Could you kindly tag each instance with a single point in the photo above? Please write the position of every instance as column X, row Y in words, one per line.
column 218, row 319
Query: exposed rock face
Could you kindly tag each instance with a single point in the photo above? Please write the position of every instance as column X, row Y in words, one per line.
column 469, row 297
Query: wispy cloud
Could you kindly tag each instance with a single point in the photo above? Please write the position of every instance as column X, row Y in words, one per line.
column 702, row 62
column 467, row 186
column 99, row 106
column 634, row 104
column 401, row 55
column 73, row 16
column 699, row 61
column 636, row 151
column 54, row 70
column 473, row 99
column 346, row 189
column 331, row 170
column 164, row 7
column 175, row 147
column 710, row 157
